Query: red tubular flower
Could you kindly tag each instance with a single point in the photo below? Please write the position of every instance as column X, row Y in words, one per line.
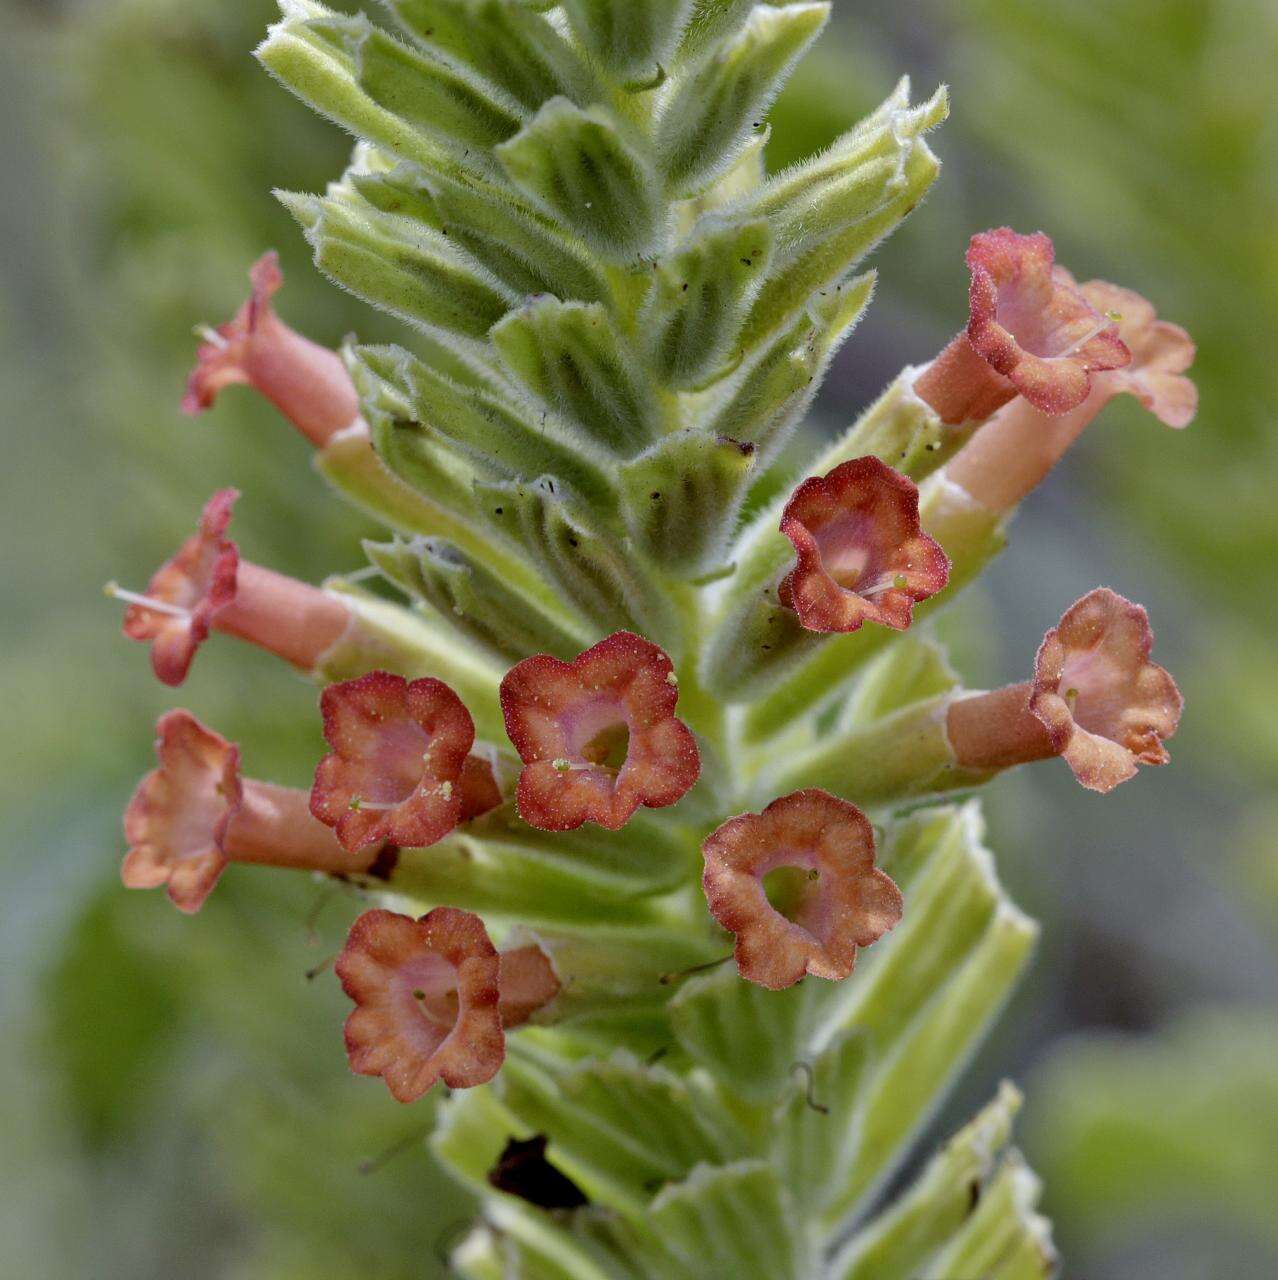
column 1106, row 706
column 1013, row 452
column 399, row 751
column 861, row 554
column 207, row 586
column 1030, row 331
column 837, row 899
column 194, row 814
column 598, row 736
column 306, row 382
column 186, row 593
column 1096, row 699
column 427, row 1000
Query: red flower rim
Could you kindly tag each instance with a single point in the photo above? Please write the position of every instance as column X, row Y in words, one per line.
column 177, row 820
column 841, row 901
column 190, row 590
column 862, row 555
column 1105, row 705
column 598, row 736
column 1033, row 325
column 426, row 994
column 395, row 771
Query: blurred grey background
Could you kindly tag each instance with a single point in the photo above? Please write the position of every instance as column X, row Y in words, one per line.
column 155, row 1122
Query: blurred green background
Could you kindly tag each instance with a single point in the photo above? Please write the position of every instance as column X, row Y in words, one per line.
column 173, row 1095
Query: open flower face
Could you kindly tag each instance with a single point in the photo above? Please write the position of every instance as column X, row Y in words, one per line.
column 426, row 994
column 1161, row 352
column 399, row 750
column 1032, row 323
column 1106, row 706
column 308, row 383
column 176, row 822
column 798, row 886
column 186, row 592
column 598, row 735
column 861, row 553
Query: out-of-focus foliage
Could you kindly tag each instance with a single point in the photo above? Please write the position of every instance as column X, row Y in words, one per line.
column 157, row 1119
column 1148, row 1135
column 157, row 1123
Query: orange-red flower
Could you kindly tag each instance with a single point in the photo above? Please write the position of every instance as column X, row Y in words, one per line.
column 395, row 771
column 177, row 820
column 426, row 996
column 1013, row 452
column 598, row 736
column 194, row 814
column 207, row 586
column 861, row 553
column 187, row 592
column 1030, row 331
column 307, row 383
column 1105, row 705
column 832, row 898
column 1096, row 699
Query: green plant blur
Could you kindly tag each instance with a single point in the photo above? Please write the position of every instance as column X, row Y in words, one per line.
column 156, row 1119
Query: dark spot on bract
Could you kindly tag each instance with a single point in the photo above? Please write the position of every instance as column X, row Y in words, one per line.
column 522, row 1170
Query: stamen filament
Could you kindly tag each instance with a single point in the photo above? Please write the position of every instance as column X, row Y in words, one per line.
column 208, row 334
column 117, row 592
column 1099, row 327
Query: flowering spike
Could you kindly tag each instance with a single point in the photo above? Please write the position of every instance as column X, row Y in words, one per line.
column 207, row 586
column 598, row 736
column 1013, row 452
column 1031, row 332
column 861, row 553
column 399, row 751
column 1096, row 699
column 190, row 590
column 307, row 383
column 426, row 994
column 194, row 814
column 839, row 900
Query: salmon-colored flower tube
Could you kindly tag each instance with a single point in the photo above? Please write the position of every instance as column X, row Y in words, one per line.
column 1031, row 332
column 862, row 556
column 832, row 899
column 307, row 383
column 1096, row 700
column 194, row 814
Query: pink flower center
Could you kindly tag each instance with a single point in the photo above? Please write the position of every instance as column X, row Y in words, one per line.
column 425, row 988
column 791, row 882
column 597, row 734
column 400, row 765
